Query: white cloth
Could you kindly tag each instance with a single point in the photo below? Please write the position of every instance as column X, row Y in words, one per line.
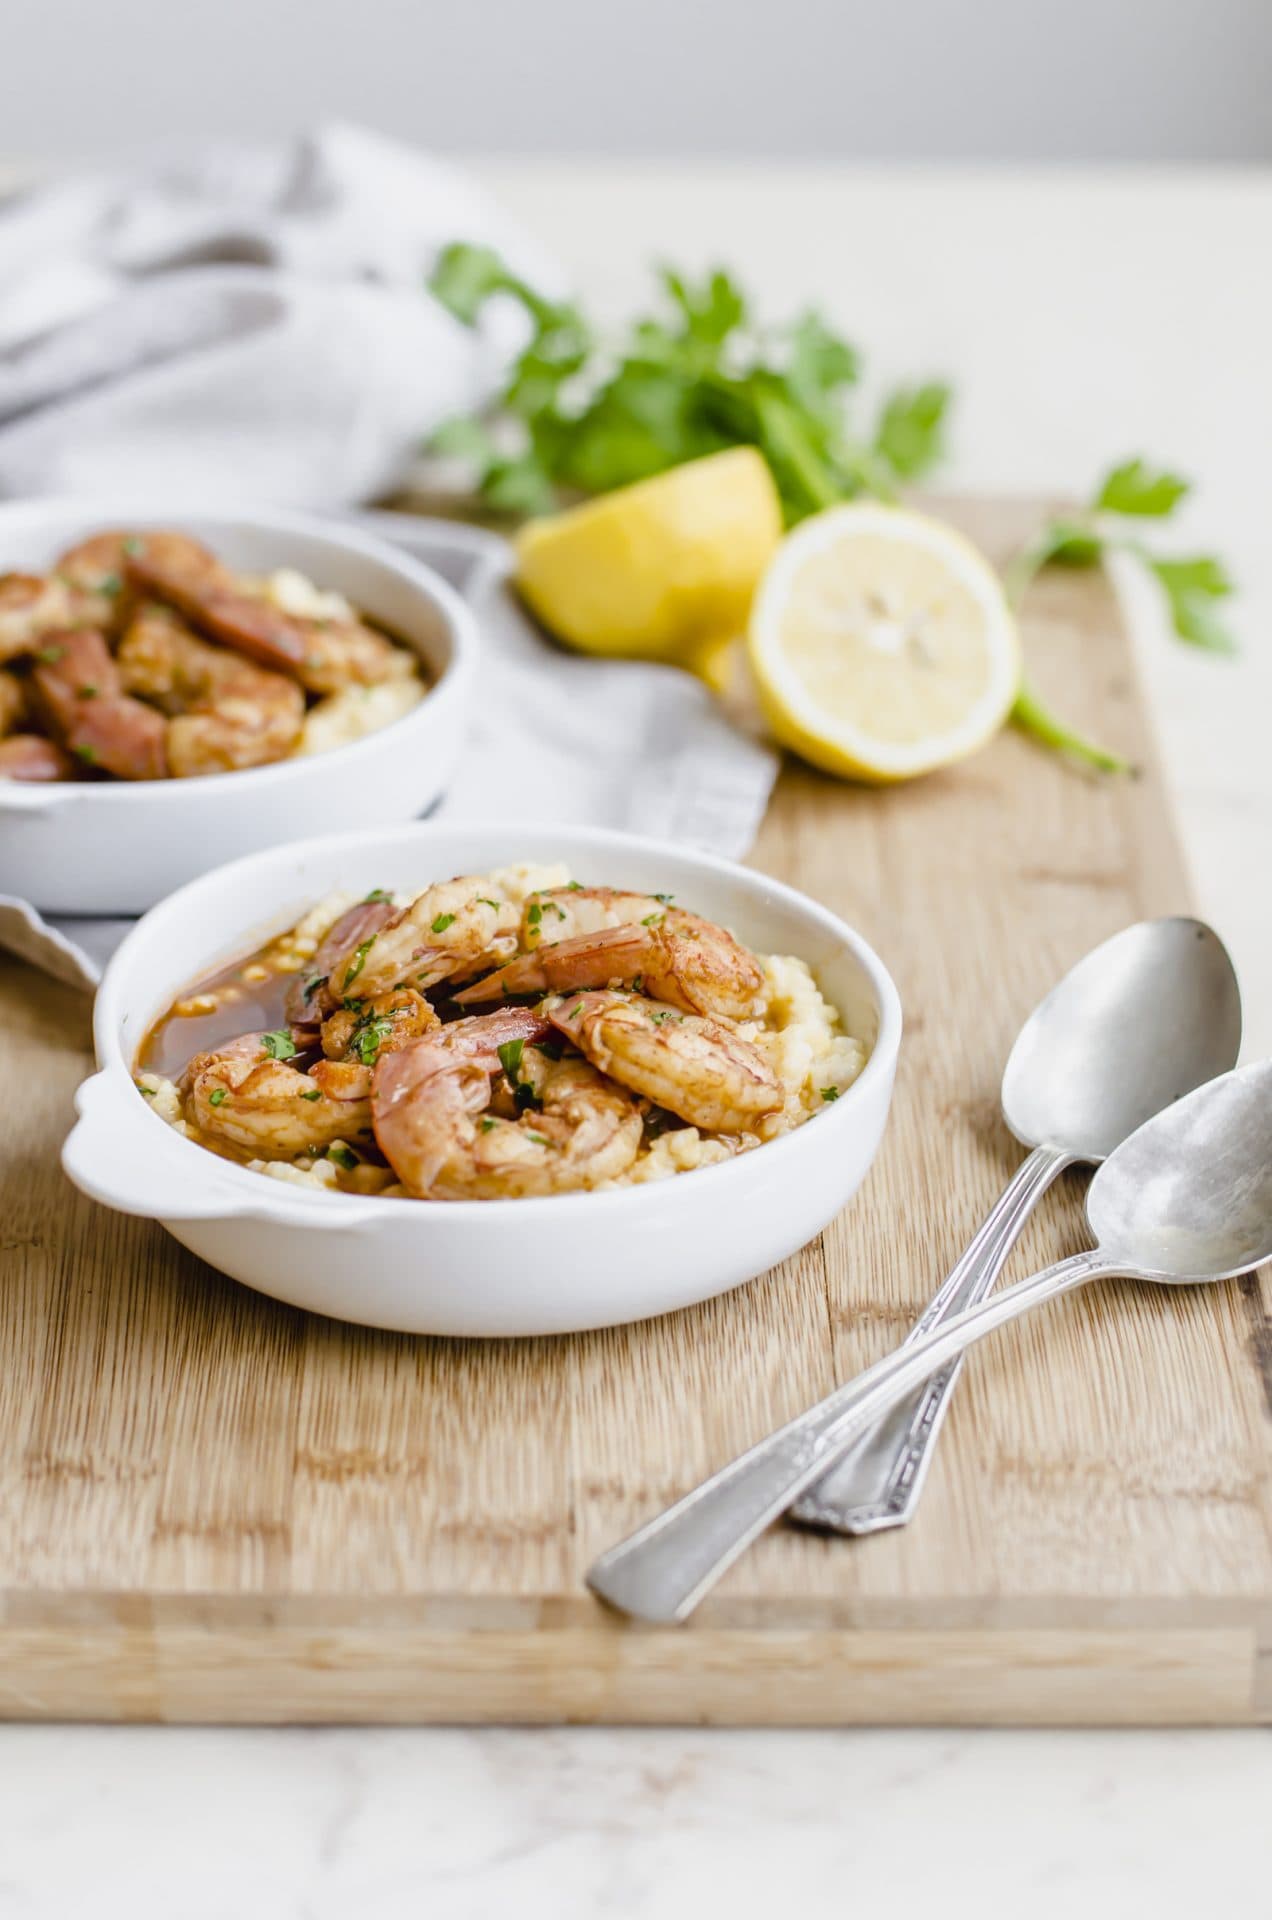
column 243, row 321
column 607, row 742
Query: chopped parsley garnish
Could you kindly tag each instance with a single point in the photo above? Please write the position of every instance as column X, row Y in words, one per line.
column 351, row 1003
column 830, row 1093
column 217, row 1097
column 87, row 754
column 534, row 913
column 313, row 1093
column 49, row 655
column 638, row 984
column 658, row 1014
column 110, row 584
column 279, row 1045
column 575, row 1011
column 574, row 886
column 312, row 985
column 87, row 692
column 653, row 920
column 134, row 544
column 487, row 1124
column 551, row 1046
column 510, row 1056
column 559, row 911
column 481, row 901
column 376, row 893
column 443, row 921
column 343, row 1157
column 371, row 1037
column 359, row 961
column 149, row 1092
column 666, row 898
column 538, row 1139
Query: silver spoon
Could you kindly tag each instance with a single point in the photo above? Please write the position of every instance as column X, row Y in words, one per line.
column 1142, row 1020
column 1186, row 1200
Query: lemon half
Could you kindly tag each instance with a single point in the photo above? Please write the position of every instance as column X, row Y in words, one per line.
column 882, row 644
column 655, row 570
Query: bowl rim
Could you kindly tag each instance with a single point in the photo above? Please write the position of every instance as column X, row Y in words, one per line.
column 253, row 1192
column 456, row 672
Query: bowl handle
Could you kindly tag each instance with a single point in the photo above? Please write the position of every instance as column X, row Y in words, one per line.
column 110, row 1155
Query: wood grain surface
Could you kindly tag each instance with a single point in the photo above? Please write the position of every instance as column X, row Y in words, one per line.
column 216, row 1508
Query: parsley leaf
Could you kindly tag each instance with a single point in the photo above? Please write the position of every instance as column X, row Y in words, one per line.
column 510, row 1056
column 910, row 435
column 1135, row 488
column 370, row 1037
column 697, row 375
column 359, row 961
column 443, row 921
column 217, row 1097
column 376, row 893
column 830, row 1093
column 279, row 1045
column 1130, row 491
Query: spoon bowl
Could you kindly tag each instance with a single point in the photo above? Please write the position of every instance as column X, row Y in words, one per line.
column 1135, row 1025
column 1188, row 1198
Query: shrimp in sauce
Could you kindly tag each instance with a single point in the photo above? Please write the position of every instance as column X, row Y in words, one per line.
column 696, row 1067
column 600, row 937
column 439, row 1122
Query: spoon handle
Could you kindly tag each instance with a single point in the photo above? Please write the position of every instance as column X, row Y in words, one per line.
column 660, row 1572
column 878, row 1480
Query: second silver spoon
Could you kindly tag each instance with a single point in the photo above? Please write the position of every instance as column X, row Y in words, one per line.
column 1137, row 1024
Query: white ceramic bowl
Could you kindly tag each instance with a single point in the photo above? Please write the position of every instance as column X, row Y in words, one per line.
column 118, row 846
column 548, row 1265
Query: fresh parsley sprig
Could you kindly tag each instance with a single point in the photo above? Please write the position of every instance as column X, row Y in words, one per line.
column 1192, row 586
column 578, row 415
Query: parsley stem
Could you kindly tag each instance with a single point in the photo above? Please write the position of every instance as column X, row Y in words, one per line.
column 1034, row 718
column 1030, row 713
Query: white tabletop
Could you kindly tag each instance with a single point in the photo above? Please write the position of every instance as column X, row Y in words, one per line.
column 1082, row 317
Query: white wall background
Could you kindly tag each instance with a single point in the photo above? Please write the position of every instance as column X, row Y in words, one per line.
column 889, row 79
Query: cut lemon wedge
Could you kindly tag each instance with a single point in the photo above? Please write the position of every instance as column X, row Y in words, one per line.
column 656, row 570
column 882, row 644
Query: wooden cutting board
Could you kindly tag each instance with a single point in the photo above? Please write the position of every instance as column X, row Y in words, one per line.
column 216, row 1508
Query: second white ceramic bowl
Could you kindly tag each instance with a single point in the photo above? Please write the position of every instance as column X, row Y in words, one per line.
column 115, row 847
column 550, row 1265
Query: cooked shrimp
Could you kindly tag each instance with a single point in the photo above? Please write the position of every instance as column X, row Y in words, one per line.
column 694, row 1066
column 599, row 937
column 430, row 1105
column 29, row 756
column 229, row 713
column 451, row 931
column 308, row 1000
column 13, row 702
column 322, row 654
column 30, row 608
column 77, row 686
column 244, row 1095
column 308, row 997
column 347, row 653
column 96, row 572
column 378, row 1026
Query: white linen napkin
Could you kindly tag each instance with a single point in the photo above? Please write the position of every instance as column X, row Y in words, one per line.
column 556, row 737
column 243, row 319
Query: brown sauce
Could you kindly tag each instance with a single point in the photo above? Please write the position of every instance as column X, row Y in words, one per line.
column 244, row 1004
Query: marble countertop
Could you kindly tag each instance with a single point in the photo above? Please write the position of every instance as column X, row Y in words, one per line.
column 1083, row 316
